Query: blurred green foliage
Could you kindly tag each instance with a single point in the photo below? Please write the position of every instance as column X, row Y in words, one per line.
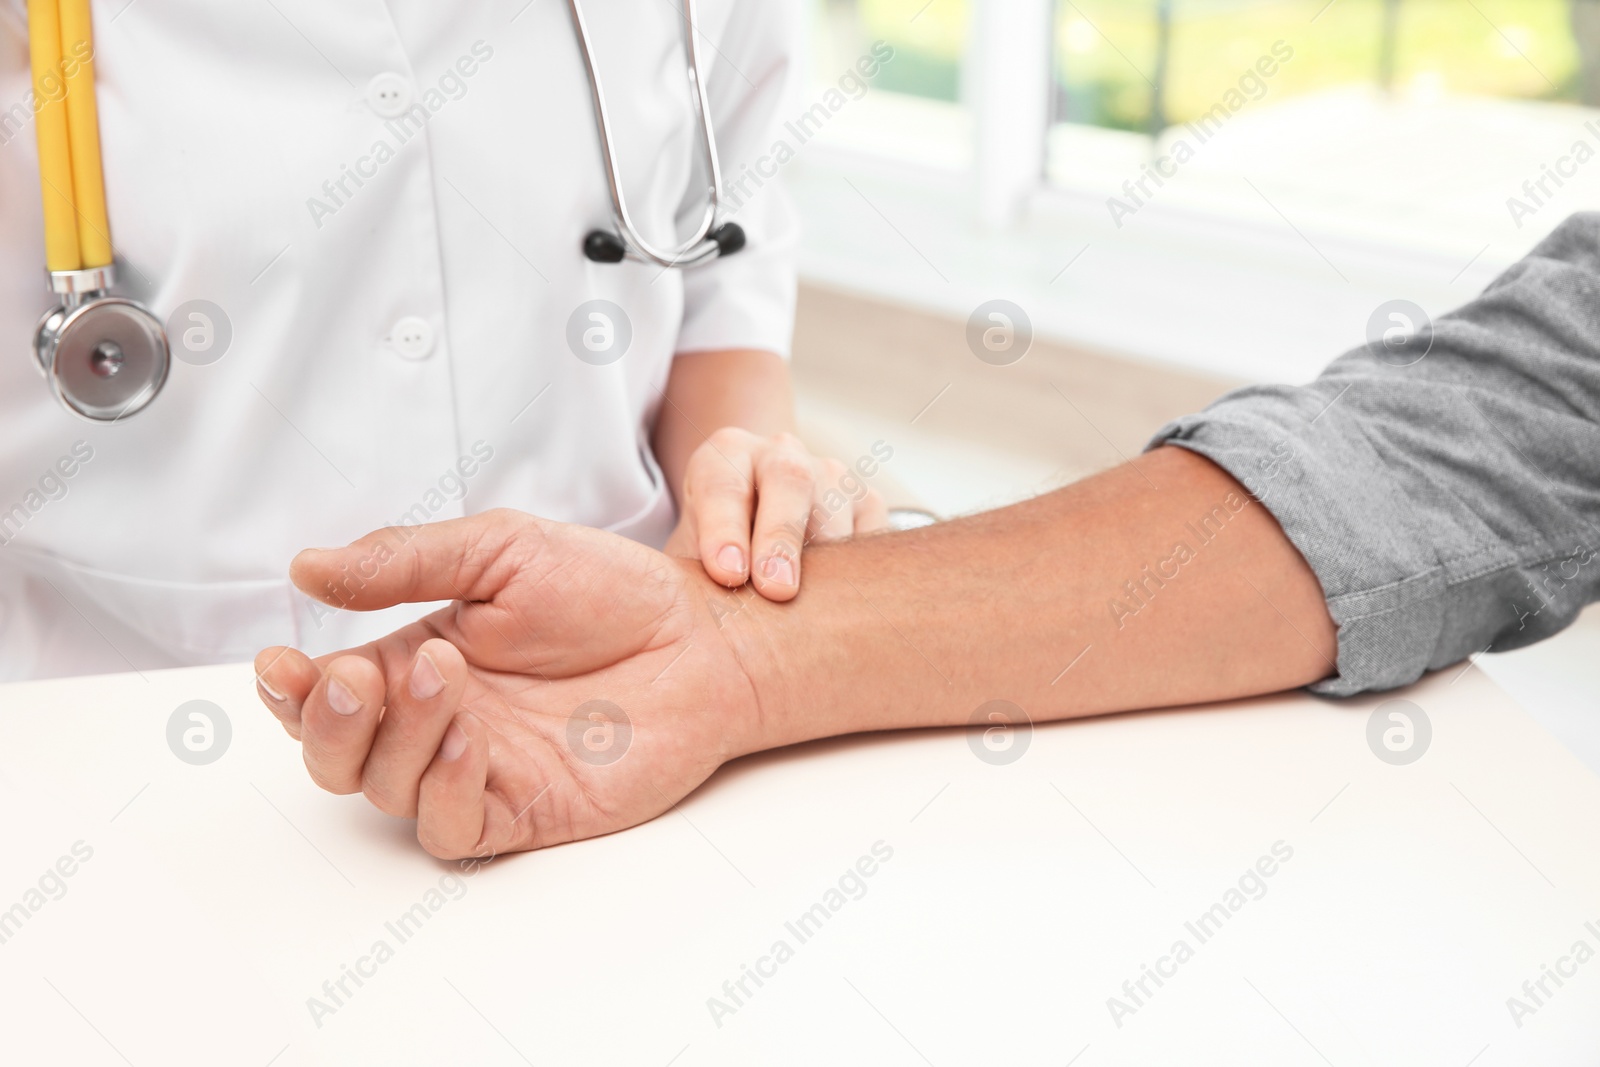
column 1105, row 50
column 928, row 38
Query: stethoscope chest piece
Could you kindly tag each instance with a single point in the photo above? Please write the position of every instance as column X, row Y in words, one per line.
column 105, row 357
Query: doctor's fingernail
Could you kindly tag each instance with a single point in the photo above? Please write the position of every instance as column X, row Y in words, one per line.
column 426, row 681
column 731, row 559
column 271, row 692
column 778, row 569
column 455, row 743
column 341, row 698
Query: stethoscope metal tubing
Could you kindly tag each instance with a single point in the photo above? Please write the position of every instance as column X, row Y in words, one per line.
column 702, row 247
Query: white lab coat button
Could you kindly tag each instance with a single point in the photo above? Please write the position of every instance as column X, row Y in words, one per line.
column 389, row 94
column 412, row 337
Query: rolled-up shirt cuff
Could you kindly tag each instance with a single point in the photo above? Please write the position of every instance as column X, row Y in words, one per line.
column 1448, row 502
column 1348, row 518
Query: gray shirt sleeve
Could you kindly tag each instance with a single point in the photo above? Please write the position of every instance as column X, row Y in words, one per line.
column 1450, row 505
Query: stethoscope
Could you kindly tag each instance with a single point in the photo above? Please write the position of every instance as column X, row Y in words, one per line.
column 106, row 357
column 711, row 238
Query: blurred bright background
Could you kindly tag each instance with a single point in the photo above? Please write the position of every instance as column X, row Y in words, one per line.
column 1321, row 159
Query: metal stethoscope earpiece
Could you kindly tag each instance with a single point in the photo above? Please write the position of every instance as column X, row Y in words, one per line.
column 105, row 357
column 712, row 238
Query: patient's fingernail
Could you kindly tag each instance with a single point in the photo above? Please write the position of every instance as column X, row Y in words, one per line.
column 731, row 559
column 455, row 743
column 426, row 681
column 779, row 569
column 341, row 698
column 271, row 692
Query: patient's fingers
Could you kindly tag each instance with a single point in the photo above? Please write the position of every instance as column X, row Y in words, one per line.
column 450, row 799
column 423, row 698
column 338, row 720
column 284, row 678
column 461, row 559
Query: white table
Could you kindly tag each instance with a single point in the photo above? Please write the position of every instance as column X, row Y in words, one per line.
column 1017, row 900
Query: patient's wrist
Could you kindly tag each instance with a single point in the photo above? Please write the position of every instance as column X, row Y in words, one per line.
column 817, row 665
column 742, row 619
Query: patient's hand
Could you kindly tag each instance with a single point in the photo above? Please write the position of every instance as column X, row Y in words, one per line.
column 747, row 497
column 477, row 719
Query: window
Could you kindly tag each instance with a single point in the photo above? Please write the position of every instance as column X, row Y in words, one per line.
column 1145, row 64
column 927, row 37
column 1273, row 169
column 1398, row 121
column 914, row 110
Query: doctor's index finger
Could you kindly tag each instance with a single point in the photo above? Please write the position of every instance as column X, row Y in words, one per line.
column 720, row 495
column 471, row 558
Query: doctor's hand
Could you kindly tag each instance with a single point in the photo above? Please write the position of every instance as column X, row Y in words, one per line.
column 751, row 504
column 580, row 683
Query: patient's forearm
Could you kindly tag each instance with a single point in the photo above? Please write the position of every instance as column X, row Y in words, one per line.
column 1157, row 583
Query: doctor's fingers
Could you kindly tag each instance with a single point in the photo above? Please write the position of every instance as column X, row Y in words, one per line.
column 422, row 701
column 284, row 678
column 719, row 492
column 786, row 482
column 338, row 720
column 832, row 510
column 871, row 513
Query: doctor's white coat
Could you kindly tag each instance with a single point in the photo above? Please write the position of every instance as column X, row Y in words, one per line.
column 386, row 204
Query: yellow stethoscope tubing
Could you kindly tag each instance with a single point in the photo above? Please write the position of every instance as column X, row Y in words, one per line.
column 77, row 231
